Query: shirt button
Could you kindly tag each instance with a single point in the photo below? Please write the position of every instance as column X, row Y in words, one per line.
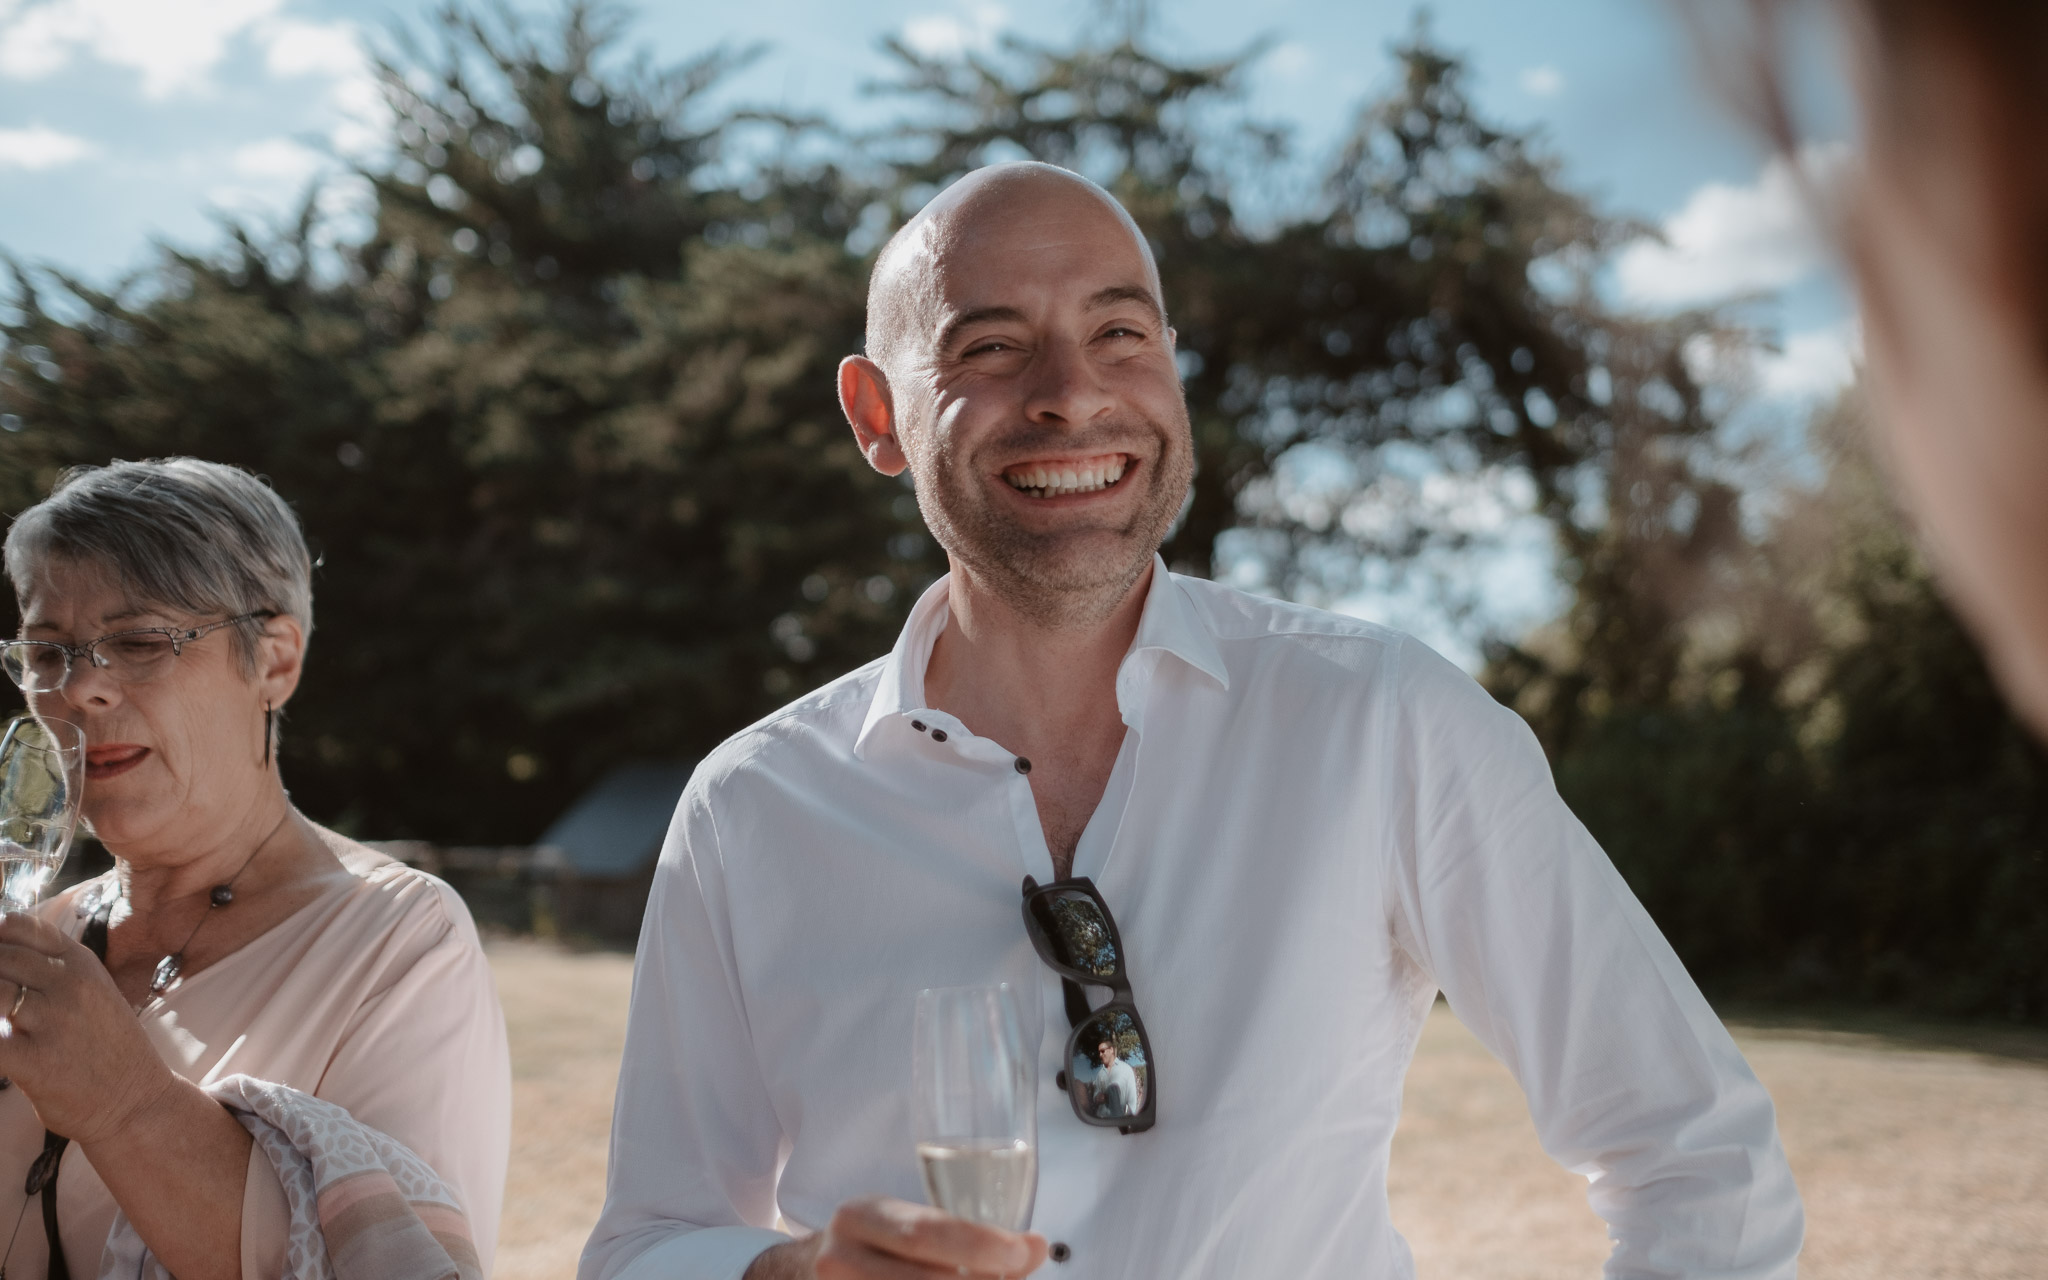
column 1023, row 765
column 1060, row 1252
column 938, row 735
column 917, row 725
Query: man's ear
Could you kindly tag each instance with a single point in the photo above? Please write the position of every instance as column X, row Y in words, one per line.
column 871, row 411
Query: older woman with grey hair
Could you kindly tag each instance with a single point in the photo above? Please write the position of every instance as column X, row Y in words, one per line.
column 166, row 608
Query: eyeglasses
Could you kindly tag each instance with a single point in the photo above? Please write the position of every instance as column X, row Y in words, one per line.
column 131, row 657
column 1110, row 1078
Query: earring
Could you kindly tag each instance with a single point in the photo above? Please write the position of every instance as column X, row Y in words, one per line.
column 269, row 717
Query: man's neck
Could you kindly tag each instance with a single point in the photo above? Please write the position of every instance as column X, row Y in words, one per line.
column 1011, row 678
column 1045, row 693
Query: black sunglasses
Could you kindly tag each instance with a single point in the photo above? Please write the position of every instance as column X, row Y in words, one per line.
column 1111, row 1077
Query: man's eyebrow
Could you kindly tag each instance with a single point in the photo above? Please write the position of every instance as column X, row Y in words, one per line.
column 977, row 316
column 1097, row 301
column 1126, row 293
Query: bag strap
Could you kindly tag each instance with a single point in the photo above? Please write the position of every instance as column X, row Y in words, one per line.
column 42, row 1175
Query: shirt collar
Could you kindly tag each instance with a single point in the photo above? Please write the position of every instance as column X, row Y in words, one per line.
column 1170, row 624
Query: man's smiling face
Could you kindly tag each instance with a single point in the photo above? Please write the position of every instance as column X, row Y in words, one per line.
column 1035, row 393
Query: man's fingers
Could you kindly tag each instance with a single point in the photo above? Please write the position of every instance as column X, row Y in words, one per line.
column 862, row 1262
column 854, row 1261
column 921, row 1234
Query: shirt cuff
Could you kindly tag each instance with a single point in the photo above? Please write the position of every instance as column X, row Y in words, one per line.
column 708, row 1253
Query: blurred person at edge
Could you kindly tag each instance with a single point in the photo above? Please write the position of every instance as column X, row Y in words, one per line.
column 329, row 968
column 1946, row 232
column 1305, row 825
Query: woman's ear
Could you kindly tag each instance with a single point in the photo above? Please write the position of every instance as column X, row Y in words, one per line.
column 280, row 658
column 871, row 410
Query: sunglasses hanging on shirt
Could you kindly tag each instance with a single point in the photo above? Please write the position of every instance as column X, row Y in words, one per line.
column 1111, row 1077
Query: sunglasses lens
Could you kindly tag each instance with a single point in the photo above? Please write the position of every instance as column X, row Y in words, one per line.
column 1110, row 1075
column 1077, row 931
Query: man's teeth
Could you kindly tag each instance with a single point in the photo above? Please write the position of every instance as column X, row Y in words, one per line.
column 1059, row 481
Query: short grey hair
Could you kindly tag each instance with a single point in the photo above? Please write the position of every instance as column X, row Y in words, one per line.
column 200, row 537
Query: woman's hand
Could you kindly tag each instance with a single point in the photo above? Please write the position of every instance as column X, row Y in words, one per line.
column 72, row 1043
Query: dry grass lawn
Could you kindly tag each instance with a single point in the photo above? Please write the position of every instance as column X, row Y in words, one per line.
column 1915, row 1161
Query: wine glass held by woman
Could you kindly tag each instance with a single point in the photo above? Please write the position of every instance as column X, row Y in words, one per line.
column 166, row 609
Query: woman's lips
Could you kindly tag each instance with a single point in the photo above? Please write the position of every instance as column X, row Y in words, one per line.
column 113, row 760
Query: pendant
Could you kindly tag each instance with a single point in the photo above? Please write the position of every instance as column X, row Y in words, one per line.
column 44, row 1169
column 167, row 970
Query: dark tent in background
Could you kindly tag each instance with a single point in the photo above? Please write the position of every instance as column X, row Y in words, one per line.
column 602, row 851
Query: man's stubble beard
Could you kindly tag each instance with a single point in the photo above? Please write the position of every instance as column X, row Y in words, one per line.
column 1046, row 578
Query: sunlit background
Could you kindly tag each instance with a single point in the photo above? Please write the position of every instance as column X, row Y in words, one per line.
column 128, row 121
column 1496, row 326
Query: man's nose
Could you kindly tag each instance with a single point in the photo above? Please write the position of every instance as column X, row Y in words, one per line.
column 1064, row 386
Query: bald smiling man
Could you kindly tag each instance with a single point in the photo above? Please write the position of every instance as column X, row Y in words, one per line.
column 1299, row 828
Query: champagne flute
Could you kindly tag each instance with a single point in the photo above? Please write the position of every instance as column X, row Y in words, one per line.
column 42, row 773
column 976, row 1113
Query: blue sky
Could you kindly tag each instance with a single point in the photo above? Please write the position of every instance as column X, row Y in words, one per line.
column 124, row 121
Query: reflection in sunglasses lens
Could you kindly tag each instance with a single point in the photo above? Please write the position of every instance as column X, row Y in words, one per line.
column 1078, row 932
column 1109, row 1076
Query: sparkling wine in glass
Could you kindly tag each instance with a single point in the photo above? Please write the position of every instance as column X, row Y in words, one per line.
column 42, row 773
column 975, row 1113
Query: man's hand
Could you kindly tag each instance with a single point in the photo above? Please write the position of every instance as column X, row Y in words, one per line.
column 894, row 1239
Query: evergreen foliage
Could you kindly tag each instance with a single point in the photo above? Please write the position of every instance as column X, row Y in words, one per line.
column 563, row 430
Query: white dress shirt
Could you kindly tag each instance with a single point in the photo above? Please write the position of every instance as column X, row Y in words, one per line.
column 1313, row 825
column 1117, row 1074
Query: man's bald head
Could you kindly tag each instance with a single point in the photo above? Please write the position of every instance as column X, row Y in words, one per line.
column 905, row 295
column 1021, row 368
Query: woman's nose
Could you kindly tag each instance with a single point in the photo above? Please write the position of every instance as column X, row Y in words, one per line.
column 89, row 685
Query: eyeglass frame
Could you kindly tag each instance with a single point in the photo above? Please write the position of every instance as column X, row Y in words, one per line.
column 178, row 636
column 1079, row 1015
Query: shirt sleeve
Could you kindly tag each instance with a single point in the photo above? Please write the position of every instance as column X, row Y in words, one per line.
column 426, row 1062
column 1506, row 901
column 696, row 1145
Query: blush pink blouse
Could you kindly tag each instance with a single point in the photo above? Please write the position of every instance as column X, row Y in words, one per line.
column 375, row 996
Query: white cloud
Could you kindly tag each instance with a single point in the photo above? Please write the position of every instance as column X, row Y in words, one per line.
column 276, row 159
column 947, row 35
column 1290, row 59
column 38, row 147
column 332, row 51
column 173, row 44
column 1814, row 364
column 1810, row 365
column 1730, row 240
column 295, row 48
column 1542, row 82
